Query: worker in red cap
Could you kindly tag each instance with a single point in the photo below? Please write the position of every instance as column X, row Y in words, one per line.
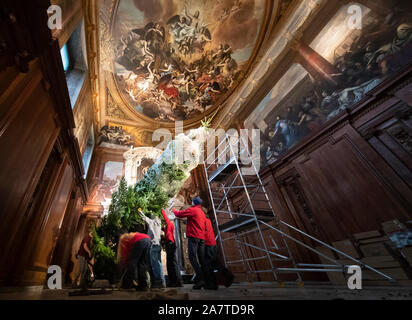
column 173, row 269
column 195, row 231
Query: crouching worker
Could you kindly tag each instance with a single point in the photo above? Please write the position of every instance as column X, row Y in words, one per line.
column 134, row 255
column 173, row 269
column 212, row 260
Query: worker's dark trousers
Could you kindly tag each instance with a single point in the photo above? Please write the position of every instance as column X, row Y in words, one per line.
column 196, row 248
column 173, row 270
column 212, row 260
column 213, row 263
column 139, row 262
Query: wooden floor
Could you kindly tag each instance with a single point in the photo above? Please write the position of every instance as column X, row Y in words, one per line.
column 258, row 291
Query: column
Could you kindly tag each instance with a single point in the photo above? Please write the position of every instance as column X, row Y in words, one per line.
column 317, row 66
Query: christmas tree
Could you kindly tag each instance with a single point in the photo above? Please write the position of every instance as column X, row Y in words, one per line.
column 151, row 194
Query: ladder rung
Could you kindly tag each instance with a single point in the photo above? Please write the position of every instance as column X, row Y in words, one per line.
column 317, row 265
column 293, row 270
column 249, row 259
column 261, row 271
column 241, row 187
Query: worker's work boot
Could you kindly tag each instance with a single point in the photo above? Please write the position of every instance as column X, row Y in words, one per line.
column 199, row 285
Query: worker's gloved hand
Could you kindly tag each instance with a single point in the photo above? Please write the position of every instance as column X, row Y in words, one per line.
column 174, row 211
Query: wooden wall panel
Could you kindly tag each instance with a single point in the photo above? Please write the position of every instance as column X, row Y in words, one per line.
column 50, row 222
column 27, row 136
column 36, row 141
column 341, row 183
column 77, row 239
column 62, row 255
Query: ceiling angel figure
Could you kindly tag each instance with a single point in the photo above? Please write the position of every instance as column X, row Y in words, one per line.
column 154, row 34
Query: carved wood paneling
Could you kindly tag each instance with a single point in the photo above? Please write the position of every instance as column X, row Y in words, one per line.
column 49, row 231
column 35, row 118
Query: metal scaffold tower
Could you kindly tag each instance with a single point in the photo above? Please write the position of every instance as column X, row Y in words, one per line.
column 253, row 224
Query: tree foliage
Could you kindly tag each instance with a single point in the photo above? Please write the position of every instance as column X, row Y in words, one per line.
column 123, row 214
column 151, row 194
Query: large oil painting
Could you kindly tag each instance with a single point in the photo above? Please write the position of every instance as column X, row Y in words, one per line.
column 104, row 187
column 174, row 60
column 352, row 62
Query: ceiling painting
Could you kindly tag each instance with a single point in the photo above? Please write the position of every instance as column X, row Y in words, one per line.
column 170, row 60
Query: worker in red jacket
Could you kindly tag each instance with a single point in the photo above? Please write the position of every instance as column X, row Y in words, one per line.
column 195, row 232
column 133, row 254
column 212, row 259
column 173, row 269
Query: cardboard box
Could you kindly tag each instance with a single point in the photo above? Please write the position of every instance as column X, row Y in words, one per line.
column 367, row 235
column 374, row 249
column 347, row 247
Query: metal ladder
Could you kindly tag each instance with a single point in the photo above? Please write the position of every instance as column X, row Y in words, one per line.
column 229, row 178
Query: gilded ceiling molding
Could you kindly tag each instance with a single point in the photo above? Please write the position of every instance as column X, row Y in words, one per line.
column 92, row 43
column 291, row 30
column 113, row 110
column 106, row 43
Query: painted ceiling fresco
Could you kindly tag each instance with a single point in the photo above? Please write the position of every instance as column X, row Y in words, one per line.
column 174, row 60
